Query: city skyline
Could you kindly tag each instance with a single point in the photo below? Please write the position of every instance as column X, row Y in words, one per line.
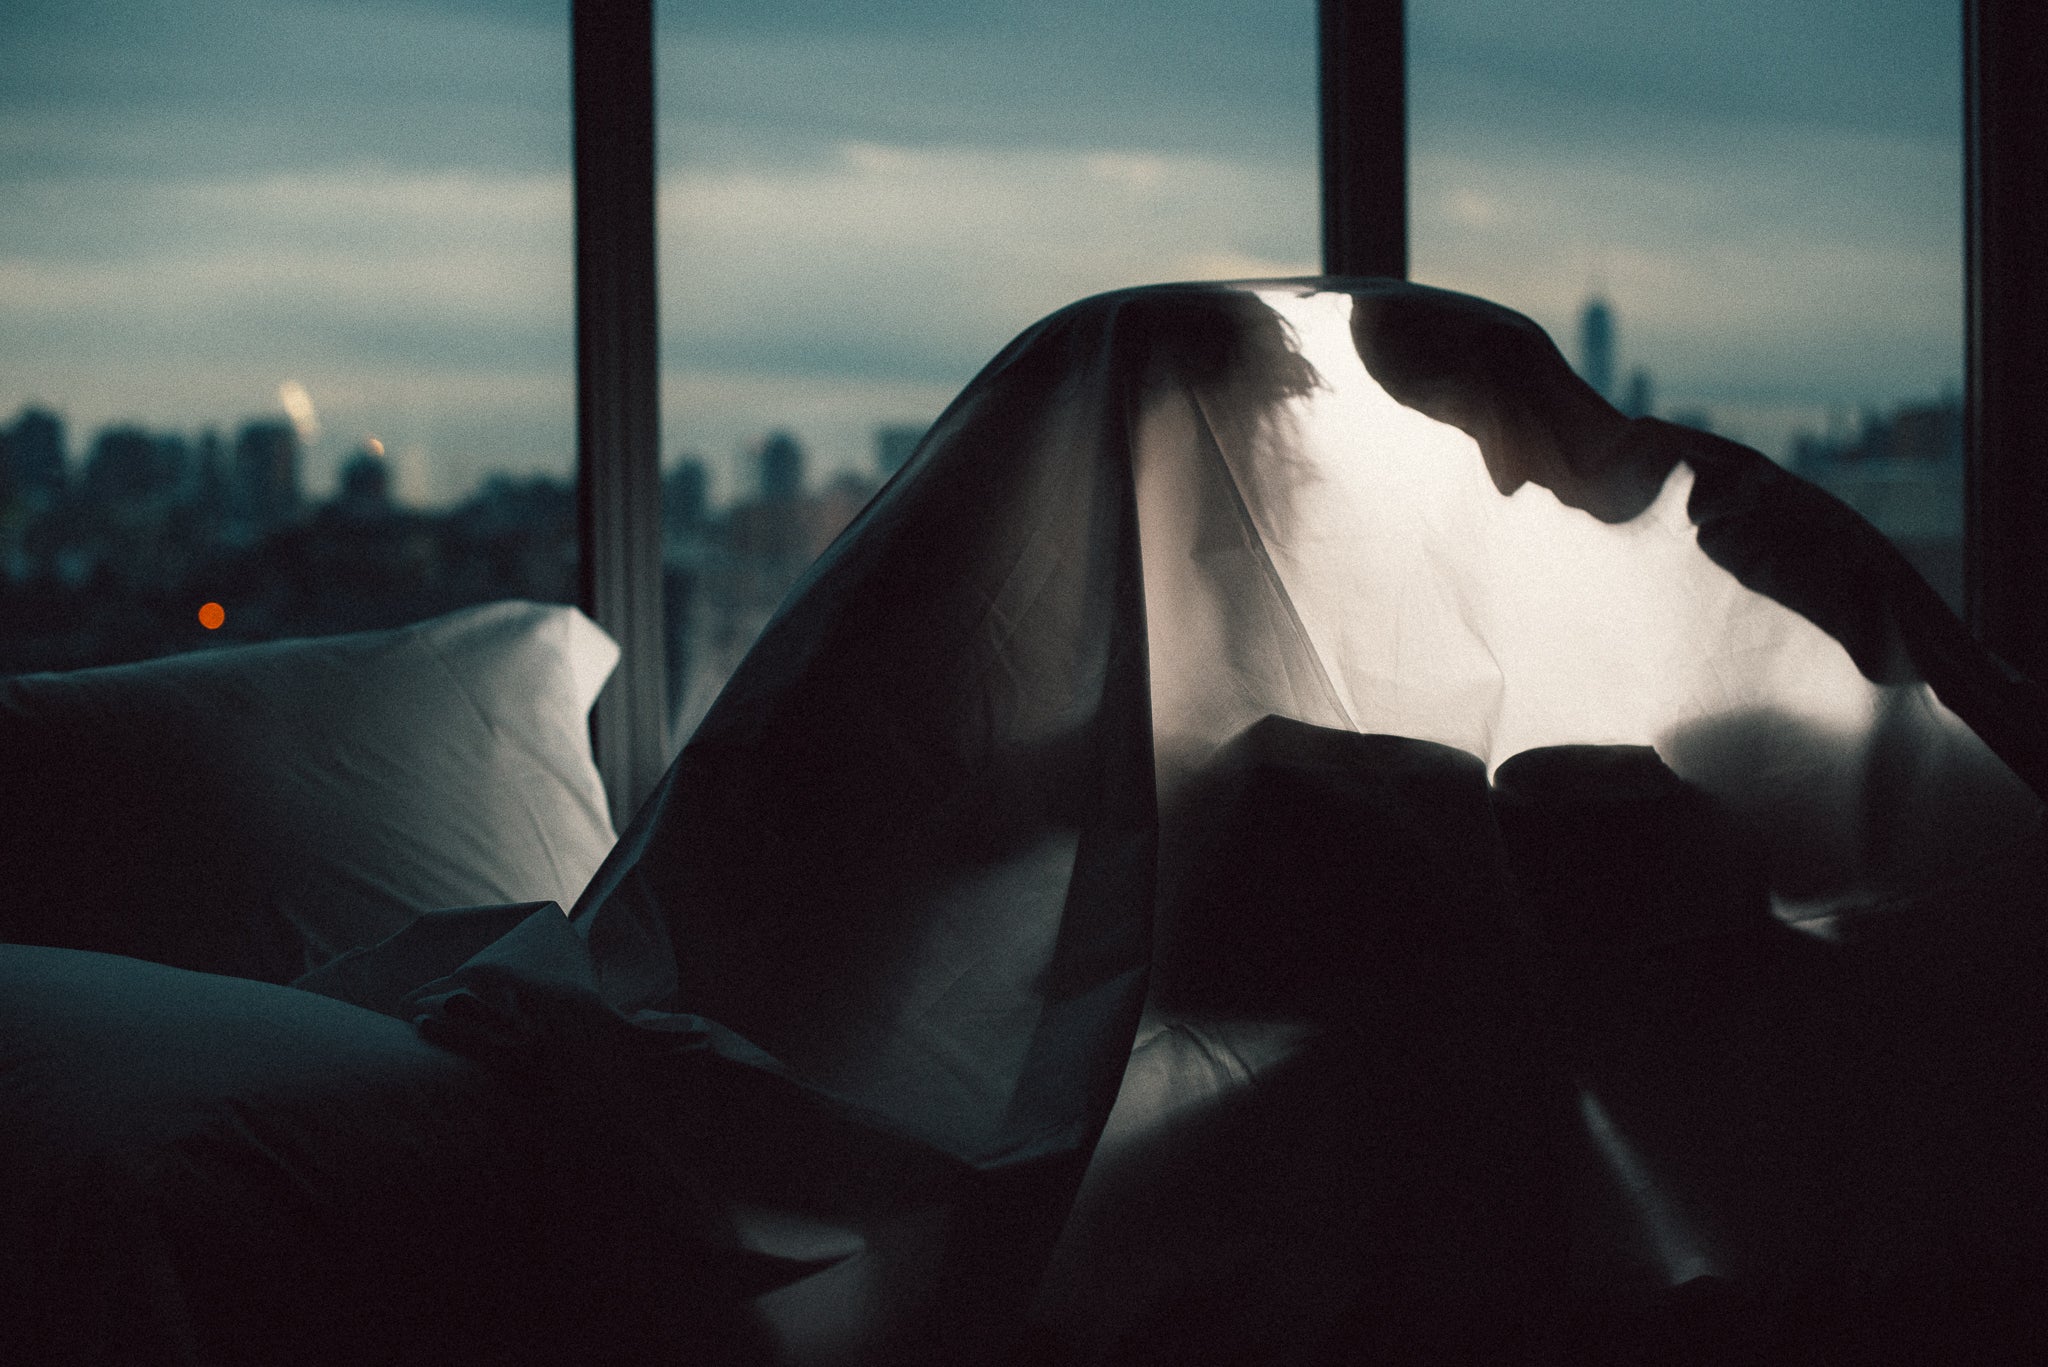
column 107, row 558
column 76, row 462
column 1599, row 349
column 860, row 205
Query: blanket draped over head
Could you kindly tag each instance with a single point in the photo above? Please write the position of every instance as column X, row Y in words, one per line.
column 1631, row 886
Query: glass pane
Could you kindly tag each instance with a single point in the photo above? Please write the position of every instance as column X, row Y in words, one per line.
column 1744, row 216
column 289, row 319
column 860, row 204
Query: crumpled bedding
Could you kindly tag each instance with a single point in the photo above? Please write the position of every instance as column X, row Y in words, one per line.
column 925, row 864
column 1292, row 831
column 209, row 1170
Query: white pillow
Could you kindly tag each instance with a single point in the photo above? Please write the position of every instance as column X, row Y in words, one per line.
column 258, row 810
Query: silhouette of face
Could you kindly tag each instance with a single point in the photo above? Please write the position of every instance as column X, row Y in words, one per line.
column 1497, row 377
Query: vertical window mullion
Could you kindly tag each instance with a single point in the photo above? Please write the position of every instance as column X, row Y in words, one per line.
column 1364, row 109
column 617, row 378
column 2005, row 227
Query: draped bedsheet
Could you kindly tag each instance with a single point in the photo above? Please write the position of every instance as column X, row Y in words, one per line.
column 1292, row 828
column 926, row 886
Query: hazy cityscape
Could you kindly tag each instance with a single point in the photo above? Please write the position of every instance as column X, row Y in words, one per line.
column 106, row 554
column 857, row 206
column 1900, row 466
column 108, row 550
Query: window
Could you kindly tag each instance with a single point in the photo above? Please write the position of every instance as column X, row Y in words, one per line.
column 1744, row 216
column 289, row 320
column 242, row 235
column 861, row 204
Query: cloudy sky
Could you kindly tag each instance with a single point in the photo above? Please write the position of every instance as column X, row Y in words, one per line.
column 201, row 200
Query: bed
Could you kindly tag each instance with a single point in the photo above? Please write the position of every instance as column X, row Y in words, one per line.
column 203, row 1163
column 1289, row 832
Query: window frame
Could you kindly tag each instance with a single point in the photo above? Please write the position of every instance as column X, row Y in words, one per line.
column 618, row 377
column 1362, row 70
column 2005, row 331
column 1362, row 65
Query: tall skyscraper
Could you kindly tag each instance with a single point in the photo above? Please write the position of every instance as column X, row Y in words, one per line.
column 266, row 472
column 1596, row 346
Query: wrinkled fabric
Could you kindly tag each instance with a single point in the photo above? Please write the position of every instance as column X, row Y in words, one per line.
column 987, row 973
column 269, row 807
column 206, row 1170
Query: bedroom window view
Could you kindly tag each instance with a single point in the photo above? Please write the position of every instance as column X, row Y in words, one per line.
column 860, row 205
column 290, row 342
column 1743, row 216
column 1291, row 832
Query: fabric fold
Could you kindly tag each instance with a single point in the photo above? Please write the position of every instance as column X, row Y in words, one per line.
column 841, row 1021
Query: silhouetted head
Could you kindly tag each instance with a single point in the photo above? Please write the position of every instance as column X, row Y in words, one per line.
column 1497, row 377
column 1210, row 338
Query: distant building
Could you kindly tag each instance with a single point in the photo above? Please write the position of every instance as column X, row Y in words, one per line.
column 686, row 494
column 1596, row 346
column 264, row 482
column 209, row 486
column 32, row 458
column 1920, row 432
column 1640, row 399
column 769, row 544
column 782, row 468
column 32, row 453
column 894, row 444
column 365, row 492
column 129, row 465
column 1911, row 434
column 174, row 463
column 836, row 505
column 1903, row 471
column 724, row 577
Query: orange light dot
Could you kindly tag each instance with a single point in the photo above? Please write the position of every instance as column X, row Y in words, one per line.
column 211, row 615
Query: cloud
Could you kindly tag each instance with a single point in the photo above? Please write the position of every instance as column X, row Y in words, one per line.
column 1814, row 266
column 870, row 287
column 246, row 86
column 923, row 261
column 1597, row 68
column 435, row 310
column 1769, row 193
column 337, row 260
column 1212, row 77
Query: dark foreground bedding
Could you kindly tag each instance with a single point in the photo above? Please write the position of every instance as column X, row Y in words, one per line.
column 196, row 1168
